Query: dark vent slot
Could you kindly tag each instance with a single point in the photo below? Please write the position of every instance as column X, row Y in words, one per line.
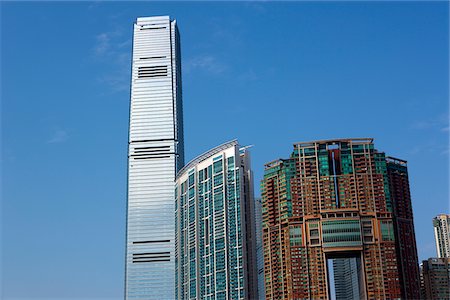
column 152, row 71
column 152, row 157
column 152, row 28
column 151, row 257
column 153, row 57
column 151, row 147
column 157, row 140
column 150, row 253
column 147, row 150
column 151, row 152
column 155, row 241
column 150, row 260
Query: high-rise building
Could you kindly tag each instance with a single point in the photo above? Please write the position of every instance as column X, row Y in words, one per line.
column 346, row 278
column 435, row 276
column 215, row 256
column 441, row 224
column 155, row 154
column 259, row 248
column 405, row 237
column 332, row 200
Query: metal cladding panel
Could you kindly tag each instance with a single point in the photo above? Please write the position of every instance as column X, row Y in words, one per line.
column 152, row 93
column 155, row 148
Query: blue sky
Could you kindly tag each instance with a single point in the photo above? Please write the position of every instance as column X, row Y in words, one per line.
column 269, row 74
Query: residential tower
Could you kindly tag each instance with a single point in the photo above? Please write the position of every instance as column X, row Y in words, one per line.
column 333, row 201
column 215, row 255
column 441, row 224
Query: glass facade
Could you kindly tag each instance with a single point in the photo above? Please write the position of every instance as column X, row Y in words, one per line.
column 155, row 154
column 341, row 233
column 212, row 243
column 347, row 278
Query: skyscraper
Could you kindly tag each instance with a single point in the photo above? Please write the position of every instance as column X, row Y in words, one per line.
column 259, row 248
column 441, row 224
column 346, row 278
column 215, row 253
column 405, row 237
column 331, row 200
column 155, row 154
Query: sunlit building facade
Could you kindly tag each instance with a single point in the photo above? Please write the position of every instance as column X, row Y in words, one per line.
column 331, row 200
column 155, row 154
column 405, row 237
column 441, row 224
column 435, row 276
column 215, row 256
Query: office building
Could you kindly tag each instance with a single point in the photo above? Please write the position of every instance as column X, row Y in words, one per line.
column 215, row 256
column 441, row 224
column 435, row 277
column 155, row 154
column 332, row 201
column 346, row 278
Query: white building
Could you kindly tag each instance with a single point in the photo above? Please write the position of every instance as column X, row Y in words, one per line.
column 441, row 225
column 155, row 154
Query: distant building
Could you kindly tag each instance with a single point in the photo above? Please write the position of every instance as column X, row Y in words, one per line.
column 339, row 200
column 259, row 248
column 346, row 279
column 441, row 224
column 435, row 276
column 215, row 251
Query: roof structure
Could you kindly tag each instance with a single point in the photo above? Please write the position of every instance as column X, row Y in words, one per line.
column 205, row 155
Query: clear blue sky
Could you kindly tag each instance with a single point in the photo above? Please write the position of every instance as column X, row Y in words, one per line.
column 269, row 74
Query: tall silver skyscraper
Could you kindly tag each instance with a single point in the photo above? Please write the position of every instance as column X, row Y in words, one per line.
column 155, row 154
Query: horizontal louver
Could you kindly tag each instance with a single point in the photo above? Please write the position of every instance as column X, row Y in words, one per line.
column 150, row 242
column 152, row 28
column 151, row 152
column 152, row 71
column 151, row 257
column 153, row 57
